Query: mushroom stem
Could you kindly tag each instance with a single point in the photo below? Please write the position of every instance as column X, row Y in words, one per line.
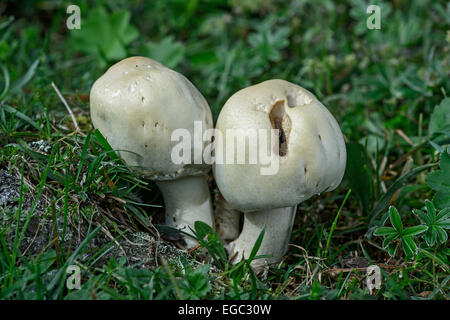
column 278, row 223
column 187, row 200
column 227, row 219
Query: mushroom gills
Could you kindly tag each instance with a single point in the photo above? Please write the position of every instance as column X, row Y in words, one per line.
column 281, row 122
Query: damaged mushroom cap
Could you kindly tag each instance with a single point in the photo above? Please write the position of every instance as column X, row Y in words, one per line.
column 312, row 154
column 137, row 104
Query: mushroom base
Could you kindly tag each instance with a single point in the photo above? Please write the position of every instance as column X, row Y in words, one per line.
column 278, row 224
column 187, row 200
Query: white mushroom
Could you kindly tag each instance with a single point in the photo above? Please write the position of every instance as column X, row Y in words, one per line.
column 136, row 105
column 311, row 156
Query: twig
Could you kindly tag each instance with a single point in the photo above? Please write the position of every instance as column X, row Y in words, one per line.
column 197, row 245
column 63, row 100
column 109, row 235
column 406, row 155
column 404, row 136
column 32, row 240
column 336, row 271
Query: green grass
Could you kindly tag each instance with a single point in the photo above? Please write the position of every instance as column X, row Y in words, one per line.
column 387, row 88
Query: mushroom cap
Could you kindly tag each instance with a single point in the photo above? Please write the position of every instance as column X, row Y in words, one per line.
column 312, row 153
column 137, row 104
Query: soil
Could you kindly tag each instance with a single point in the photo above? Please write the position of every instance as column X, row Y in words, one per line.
column 141, row 249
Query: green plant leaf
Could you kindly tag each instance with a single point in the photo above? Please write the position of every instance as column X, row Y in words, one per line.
column 358, row 174
column 430, row 237
column 384, row 231
column 440, row 118
column 444, row 224
column 387, row 241
column 22, row 116
column 16, row 86
column 441, row 260
column 212, row 243
column 168, row 52
column 413, row 231
column 395, row 218
column 4, row 92
column 105, row 144
column 441, row 200
column 105, row 35
column 267, row 43
column 440, row 182
column 442, row 235
column 392, row 249
column 436, row 222
column 409, row 247
column 431, row 210
column 120, row 21
column 443, row 215
column 257, row 244
column 422, row 216
column 400, row 182
column 406, row 235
